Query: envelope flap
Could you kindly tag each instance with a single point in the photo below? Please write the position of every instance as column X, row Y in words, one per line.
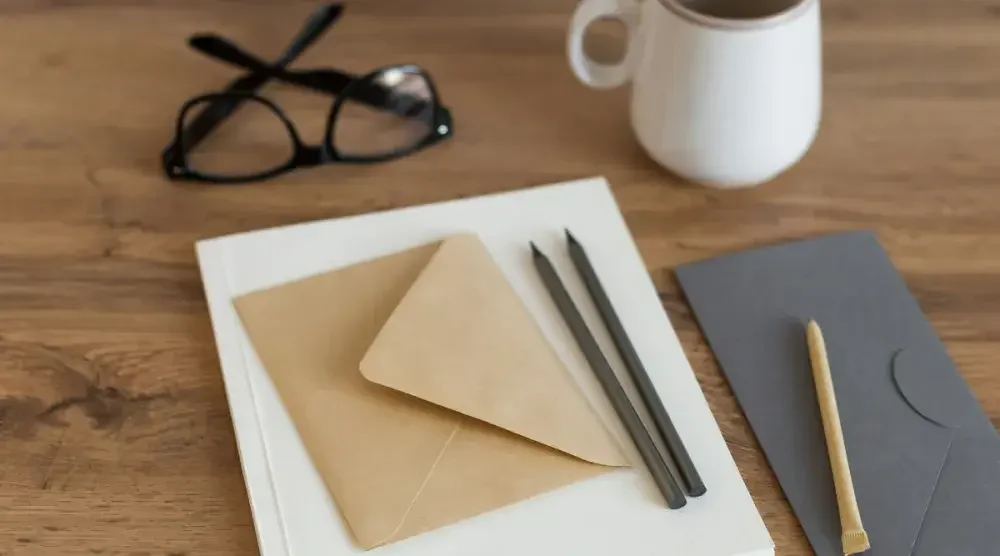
column 930, row 384
column 461, row 338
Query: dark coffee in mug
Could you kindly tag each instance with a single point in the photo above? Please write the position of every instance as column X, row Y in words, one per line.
column 737, row 9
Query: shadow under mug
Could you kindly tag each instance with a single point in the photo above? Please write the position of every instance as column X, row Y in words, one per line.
column 727, row 93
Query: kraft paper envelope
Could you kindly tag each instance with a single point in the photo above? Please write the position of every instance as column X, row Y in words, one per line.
column 423, row 390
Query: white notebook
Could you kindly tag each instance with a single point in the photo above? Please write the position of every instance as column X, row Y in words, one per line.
column 619, row 513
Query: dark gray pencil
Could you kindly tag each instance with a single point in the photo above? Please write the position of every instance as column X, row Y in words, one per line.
column 616, row 395
column 681, row 466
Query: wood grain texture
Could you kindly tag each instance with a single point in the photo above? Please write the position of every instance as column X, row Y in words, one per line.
column 115, row 436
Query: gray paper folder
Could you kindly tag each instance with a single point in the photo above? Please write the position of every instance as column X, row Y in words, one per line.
column 924, row 456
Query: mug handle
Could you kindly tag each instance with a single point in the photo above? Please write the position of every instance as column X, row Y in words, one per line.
column 591, row 73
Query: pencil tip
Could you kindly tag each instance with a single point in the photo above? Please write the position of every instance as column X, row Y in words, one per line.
column 535, row 251
column 569, row 236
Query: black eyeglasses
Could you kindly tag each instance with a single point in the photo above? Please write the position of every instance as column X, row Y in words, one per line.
column 389, row 113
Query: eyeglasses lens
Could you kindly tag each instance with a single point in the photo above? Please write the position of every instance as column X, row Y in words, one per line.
column 252, row 140
column 402, row 118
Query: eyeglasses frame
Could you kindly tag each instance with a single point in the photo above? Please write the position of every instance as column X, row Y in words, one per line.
column 304, row 155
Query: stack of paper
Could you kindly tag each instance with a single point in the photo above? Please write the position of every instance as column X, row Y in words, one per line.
column 617, row 511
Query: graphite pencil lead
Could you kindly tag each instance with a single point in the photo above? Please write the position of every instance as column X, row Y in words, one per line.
column 535, row 251
column 570, row 237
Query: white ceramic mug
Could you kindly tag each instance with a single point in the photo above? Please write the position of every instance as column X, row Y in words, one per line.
column 724, row 92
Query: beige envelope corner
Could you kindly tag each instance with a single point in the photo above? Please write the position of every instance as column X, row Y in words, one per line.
column 423, row 389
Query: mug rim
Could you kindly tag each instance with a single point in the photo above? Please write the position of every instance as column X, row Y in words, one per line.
column 790, row 13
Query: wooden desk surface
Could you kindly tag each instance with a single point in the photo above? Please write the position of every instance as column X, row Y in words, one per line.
column 115, row 436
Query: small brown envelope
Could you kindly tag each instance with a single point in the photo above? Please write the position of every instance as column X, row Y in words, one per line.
column 423, row 390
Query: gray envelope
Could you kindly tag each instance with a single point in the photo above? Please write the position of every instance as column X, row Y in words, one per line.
column 924, row 457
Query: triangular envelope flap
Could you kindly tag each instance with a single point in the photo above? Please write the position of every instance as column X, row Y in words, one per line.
column 462, row 338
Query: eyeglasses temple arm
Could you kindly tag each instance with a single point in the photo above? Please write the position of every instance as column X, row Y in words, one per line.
column 327, row 81
column 314, row 27
column 323, row 81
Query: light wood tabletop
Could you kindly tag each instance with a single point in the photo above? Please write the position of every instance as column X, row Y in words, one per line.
column 115, row 435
